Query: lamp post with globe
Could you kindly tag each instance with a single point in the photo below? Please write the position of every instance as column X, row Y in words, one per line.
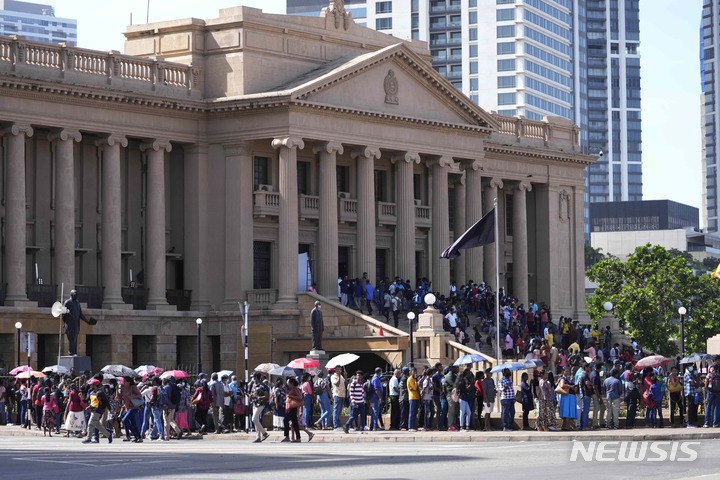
column 18, row 326
column 199, row 357
column 682, row 311
column 411, row 318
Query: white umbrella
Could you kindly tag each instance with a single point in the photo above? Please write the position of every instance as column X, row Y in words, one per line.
column 222, row 373
column 265, row 367
column 56, row 369
column 119, row 370
column 341, row 360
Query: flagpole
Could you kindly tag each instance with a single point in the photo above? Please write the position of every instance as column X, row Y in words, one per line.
column 497, row 281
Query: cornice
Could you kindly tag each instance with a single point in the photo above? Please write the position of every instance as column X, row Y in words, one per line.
column 539, row 153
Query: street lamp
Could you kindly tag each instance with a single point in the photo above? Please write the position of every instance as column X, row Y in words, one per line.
column 682, row 311
column 608, row 306
column 18, row 326
column 411, row 317
column 199, row 358
column 430, row 300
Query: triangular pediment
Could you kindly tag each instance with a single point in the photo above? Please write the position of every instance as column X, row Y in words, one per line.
column 393, row 81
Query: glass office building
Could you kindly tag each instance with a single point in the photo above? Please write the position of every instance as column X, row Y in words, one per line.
column 36, row 22
column 577, row 59
column 709, row 109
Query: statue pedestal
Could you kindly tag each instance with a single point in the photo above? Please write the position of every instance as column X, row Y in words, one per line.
column 321, row 357
column 80, row 364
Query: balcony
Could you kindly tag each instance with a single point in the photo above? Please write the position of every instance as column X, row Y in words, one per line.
column 266, row 204
column 92, row 296
column 180, row 298
column 309, row 207
column 386, row 213
column 347, row 210
column 44, row 295
column 422, row 216
column 262, row 297
column 136, row 296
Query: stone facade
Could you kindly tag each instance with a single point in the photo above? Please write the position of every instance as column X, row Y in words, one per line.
column 209, row 155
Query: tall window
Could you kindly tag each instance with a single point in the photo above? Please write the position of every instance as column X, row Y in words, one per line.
column 383, row 23
column 343, row 178
column 261, row 171
column 303, row 178
column 383, row 7
column 261, row 265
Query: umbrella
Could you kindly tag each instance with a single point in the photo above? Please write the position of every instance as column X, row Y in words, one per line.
column 469, row 358
column 143, row 368
column 589, row 360
column 119, row 370
column 151, row 371
column 303, row 363
column 56, row 369
column 108, row 376
column 535, row 362
column 176, row 374
column 651, row 362
column 21, row 368
column 342, row 360
column 513, row 366
column 223, row 373
column 283, row 372
column 266, row 367
column 693, row 358
column 30, row 373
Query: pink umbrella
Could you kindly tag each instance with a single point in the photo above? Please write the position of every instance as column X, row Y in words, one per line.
column 651, row 361
column 304, row 363
column 20, row 369
column 176, row 374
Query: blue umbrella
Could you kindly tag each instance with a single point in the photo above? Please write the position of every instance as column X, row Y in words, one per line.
column 535, row 362
column 469, row 358
column 512, row 366
column 284, row 371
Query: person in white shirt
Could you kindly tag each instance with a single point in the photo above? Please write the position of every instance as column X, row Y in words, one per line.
column 451, row 317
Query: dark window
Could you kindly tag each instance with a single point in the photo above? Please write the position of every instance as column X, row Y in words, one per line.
column 261, row 264
column 261, row 171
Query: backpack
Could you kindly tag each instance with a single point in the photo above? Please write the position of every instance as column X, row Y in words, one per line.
column 715, row 383
column 174, row 394
column 319, row 387
column 368, row 389
column 162, row 397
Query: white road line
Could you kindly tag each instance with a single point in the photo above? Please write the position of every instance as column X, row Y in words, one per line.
column 57, row 461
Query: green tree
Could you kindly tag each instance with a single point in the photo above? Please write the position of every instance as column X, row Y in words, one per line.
column 703, row 314
column 646, row 291
column 710, row 263
column 592, row 256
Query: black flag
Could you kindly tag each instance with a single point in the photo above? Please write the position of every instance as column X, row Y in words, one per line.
column 482, row 233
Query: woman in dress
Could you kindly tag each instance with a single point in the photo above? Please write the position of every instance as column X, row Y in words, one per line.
column 568, row 400
column 75, row 421
column 546, row 413
column 278, row 404
column 181, row 414
column 49, row 409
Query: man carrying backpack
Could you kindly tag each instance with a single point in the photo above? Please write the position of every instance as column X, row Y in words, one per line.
column 158, row 404
column 173, row 395
column 97, row 405
column 712, row 398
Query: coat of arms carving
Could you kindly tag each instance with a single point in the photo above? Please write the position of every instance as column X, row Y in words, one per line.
column 391, row 88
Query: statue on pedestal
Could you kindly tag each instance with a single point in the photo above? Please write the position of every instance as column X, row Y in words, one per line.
column 317, row 326
column 72, row 318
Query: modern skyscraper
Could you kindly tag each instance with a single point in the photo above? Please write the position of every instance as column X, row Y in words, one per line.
column 578, row 59
column 36, row 22
column 709, row 109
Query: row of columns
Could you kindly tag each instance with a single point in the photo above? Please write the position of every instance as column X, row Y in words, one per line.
column 478, row 263
column 64, row 255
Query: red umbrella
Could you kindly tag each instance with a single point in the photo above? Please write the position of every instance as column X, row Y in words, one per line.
column 651, row 362
column 176, row 374
column 304, row 363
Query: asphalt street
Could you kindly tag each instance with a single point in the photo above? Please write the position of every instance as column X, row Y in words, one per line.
column 60, row 458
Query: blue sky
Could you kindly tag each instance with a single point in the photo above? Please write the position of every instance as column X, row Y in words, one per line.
column 669, row 36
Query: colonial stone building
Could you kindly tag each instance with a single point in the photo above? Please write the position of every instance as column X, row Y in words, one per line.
column 187, row 175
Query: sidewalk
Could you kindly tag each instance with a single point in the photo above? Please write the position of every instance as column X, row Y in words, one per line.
column 326, row 436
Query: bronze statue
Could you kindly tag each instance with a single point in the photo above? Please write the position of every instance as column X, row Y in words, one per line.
column 317, row 325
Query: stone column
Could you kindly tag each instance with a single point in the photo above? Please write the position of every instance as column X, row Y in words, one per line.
column 474, row 212
column 458, row 229
column 155, row 261
column 288, row 223
column 366, row 210
column 327, row 264
column 440, row 223
column 520, row 243
column 196, row 271
column 405, row 208
column 64, row 256
column 15, row 221
column 238, row 224
column 111, row 221
column 491, row 193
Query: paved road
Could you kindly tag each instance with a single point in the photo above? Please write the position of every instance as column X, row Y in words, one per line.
column 61, row 458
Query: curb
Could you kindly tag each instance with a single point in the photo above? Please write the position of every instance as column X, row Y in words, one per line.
column 669, row 434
